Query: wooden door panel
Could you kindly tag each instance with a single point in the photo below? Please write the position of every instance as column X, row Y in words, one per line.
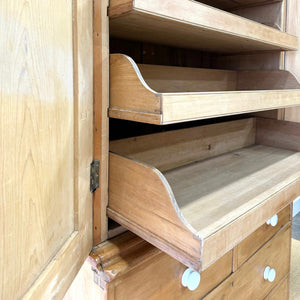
column 46, row 115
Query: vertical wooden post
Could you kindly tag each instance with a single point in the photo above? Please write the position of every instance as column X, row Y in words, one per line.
column 292, row 58
column 101, row 100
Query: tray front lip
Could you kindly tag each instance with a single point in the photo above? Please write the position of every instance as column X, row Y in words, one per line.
column 172, row 103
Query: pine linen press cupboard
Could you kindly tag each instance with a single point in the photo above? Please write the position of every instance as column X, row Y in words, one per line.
column 51, row 131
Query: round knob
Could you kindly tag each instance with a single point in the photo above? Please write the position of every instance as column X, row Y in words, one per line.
column 190, row 279
column 269, row 274
column 273, row 221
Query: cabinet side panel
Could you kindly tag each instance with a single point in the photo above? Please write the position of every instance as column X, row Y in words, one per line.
column 101, row 92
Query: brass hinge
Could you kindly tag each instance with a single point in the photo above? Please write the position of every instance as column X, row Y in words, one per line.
column 94, row 175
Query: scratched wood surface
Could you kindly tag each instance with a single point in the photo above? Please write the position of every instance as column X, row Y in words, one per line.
column 45, row 145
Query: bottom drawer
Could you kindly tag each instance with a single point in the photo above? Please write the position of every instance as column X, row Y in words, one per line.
column 245, row 249
column 248, row 282
column 134, row 269
column 280, row 292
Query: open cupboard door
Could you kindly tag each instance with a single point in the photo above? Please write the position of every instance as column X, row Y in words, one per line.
column 46, row 133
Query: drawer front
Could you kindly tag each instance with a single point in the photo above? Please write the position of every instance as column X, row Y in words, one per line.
column 281, row 291
column 160, row 278
column 251, row 244
column 248, row 282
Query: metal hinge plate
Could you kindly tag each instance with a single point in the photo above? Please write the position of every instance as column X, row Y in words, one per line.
column 94, row 175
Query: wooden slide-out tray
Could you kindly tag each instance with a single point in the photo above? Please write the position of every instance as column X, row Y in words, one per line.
column 163, row 94
column 190, row 24
column 195, row 193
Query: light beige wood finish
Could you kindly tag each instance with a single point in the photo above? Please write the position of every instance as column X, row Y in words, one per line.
column 130, row 268
column 252, row 243
column 163, row 95
column 248, row 282
column 101, row 128
column 189, row 24
column 209, row 200
column 292, row 60
column 281, row 291
column 45, row 145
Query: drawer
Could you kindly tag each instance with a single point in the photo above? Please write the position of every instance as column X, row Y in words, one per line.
column 134, row 269
column 281, row 291
column 248, row 282
column 166, row 94
column 252, row 243
column 196, row 193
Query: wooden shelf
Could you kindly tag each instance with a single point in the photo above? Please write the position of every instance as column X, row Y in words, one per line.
column 190, row 24
column 163, row 95
column 195, row 193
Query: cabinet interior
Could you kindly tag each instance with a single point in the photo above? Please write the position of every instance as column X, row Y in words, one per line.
column 164, row 54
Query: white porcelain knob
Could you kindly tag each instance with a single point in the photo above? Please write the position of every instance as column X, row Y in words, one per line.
column 269, row 274
column 273, row 221
column 190, row 279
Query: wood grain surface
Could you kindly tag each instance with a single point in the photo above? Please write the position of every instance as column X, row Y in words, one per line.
column 164, row 94
column 191, row 24
column 45, row 145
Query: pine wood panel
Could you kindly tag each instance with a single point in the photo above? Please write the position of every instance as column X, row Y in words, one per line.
column 191, row 24
column 163, row 95
column 45, row 145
